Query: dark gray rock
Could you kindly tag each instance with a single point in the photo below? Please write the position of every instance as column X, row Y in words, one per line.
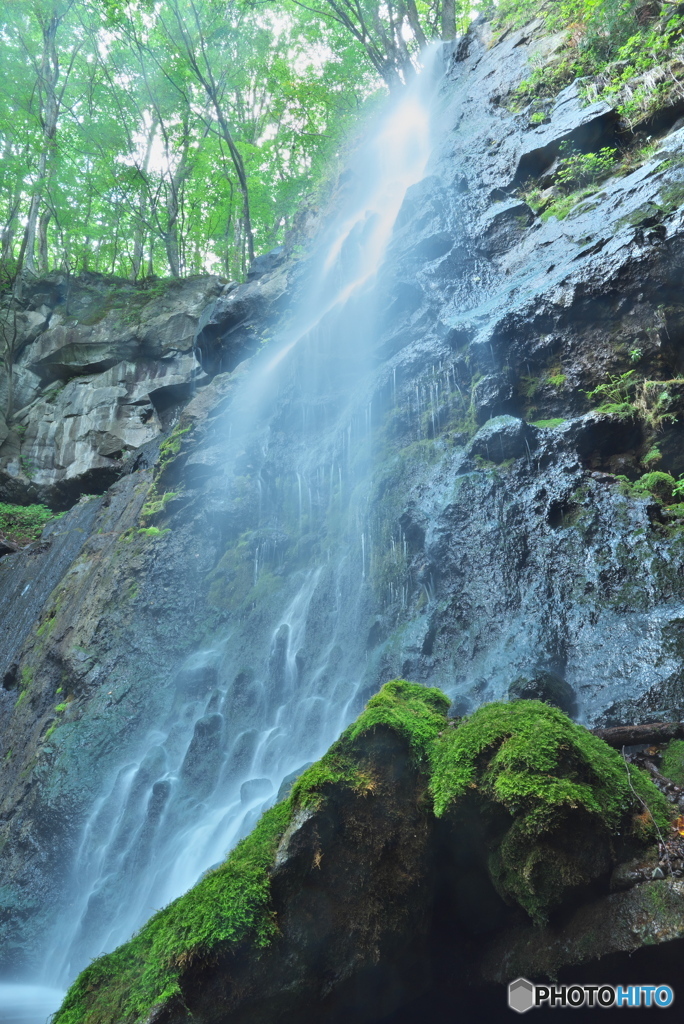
column 492, row 396
column 546, row 686
column 503, row 438
column 585, row 128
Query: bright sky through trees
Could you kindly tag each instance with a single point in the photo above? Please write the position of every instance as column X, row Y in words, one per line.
column 178, row 136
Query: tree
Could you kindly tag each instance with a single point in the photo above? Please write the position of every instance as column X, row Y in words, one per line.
column 174, row 135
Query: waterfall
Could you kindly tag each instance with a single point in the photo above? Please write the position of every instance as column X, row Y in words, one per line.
column 255, row 708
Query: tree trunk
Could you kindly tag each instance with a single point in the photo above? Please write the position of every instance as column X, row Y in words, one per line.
column 172, row 212
column 141, row 226
column 43, row 222
column 414, row 22
column 48, row 77
column 448, row 19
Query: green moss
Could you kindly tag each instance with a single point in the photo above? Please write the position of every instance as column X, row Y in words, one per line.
column 233, row 586
column 155, row 503
column 169, row 450
column 61, row 707
column 660, row 485
column 560, row 208
column 555, row 780
column 529, row 386
column 152, row 531
column 230, row 906
column 416, row 712
column 653, row 454
column 544, row 772
column 672, row 764
column 548, row 424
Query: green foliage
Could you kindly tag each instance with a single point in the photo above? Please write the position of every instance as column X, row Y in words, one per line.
column 625, row 52
column 154, row 531
column 24, row 523
column 548, row 424
column 288, row 82
column 615, row 394
column 652, row 455
column 579, row 170
column 661, row 485
column 529, row 386
column 169, row 450
column 555, row 779
column 61, row 707
column 154, row 506
column 557, row 380
column 672, row 763
column 656, row 402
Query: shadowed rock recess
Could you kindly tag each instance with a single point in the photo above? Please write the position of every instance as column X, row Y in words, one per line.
column 502, row 520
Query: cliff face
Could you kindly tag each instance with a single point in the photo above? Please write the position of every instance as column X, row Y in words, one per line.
column 517, row 368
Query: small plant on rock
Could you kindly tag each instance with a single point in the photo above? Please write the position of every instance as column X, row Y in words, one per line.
column 578, row 170
column 615, row 395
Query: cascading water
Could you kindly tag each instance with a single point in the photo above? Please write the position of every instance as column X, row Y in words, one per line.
column 256, row 708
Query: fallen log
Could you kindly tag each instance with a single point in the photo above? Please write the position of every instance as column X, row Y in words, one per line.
column 651, row 733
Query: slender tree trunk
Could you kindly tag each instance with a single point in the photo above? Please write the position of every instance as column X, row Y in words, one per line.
column 172, row 213
column 242, row 180
column 141, row 227
column 414, row 22
column 448, row 19
column 43, row 222
column 150, row 257
column 19, row 269
column 9, row 230
column 49, row 113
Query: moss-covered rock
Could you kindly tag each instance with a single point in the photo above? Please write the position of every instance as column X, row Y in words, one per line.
column 322, row 909
column 565, row 793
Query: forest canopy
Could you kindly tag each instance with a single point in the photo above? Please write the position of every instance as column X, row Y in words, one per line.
column 173, row 137
column 179, row 136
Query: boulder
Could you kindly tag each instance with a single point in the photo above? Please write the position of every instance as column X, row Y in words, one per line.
column 503, row 438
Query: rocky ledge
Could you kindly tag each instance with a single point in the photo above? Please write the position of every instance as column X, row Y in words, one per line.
column 420, row 856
